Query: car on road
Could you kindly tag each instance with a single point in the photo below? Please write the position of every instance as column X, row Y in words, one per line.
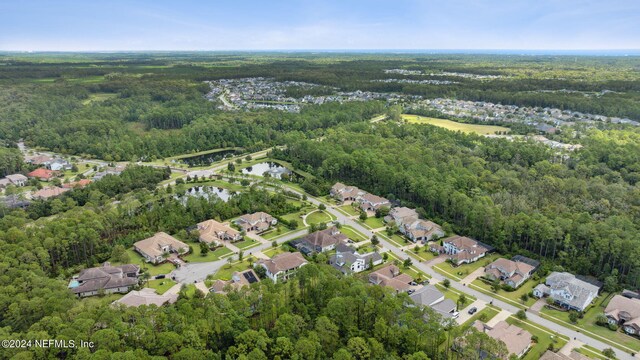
column 472, row 310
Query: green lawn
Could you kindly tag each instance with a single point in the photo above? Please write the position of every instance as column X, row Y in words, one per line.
column 318, row 217
column 590, row 352
column 588, row 325
column 455, row 126
column 211, row 255
column 374, row 222
column 454, row 295
column 161, row 285
column 227, row 270
column 395, row 239
column 274, row 251
column 352, row 233
column 483, row 315
column 545, row 338
column 459, row 272
column 278, row 230
column 424, row 254
column 513, row 297
column 349, row 209
column 246, row 243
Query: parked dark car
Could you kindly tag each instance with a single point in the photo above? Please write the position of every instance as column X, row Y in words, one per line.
column 472, row 310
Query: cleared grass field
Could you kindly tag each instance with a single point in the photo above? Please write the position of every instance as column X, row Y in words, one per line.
column 455, row 126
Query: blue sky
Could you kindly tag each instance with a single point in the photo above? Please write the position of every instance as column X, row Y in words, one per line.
column 87, row 25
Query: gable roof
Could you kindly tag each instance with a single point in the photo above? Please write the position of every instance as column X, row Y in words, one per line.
column 146, row 296
column 106, row 277
column 515, row 338
column 622, row 308
column 582, row 291
column 427, row 296
column 14, row 178
column 211, row 231
column 392, row 277
column 283, row 262
column 42, row 173
column 324, row 238
column 48, row 192
column 153, row 246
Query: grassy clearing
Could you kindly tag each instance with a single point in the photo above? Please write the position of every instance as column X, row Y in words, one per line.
column 545, row 338
column 455, row 126
column 99, row 97
column 214, row 255
column 161, row 285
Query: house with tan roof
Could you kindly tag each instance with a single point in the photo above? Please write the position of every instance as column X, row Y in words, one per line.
column 517, row 340
column 320, row 241
column 258, row 222
column 371, row 203
column 392, row 277
column 77, row 184
column 411, row 226
column 214, row 233
column 239, row 279
column 105, row 279
column 282, row 266
column 17, row 179
column 512, row 273
column 155, row 248
column 344, row 193
column 463, row 250
column 48, row 192
column 146, row 296
column 40, row 160
column 573, row 355
column 624, row 312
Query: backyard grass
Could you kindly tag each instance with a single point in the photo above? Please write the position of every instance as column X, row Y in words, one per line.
column 459, row 272
column 513, row 297
column 588, row 325
column 214, row 255
column 545, row 338
column 483, row 315
column 455, row 126
column 161, row 285
column 318, row 217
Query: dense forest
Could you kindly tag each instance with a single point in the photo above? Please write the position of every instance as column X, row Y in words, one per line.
column 582, row 214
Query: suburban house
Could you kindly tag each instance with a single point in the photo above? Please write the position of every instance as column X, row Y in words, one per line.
column 117, row 170
column 59, row 165
column 40, row 160
column 42, row 174
column 48, row 192
column 567, row 291
column 410, row 225
column 146, row 296
column 258, row 222
column 392, row 277
column 348, row 260
column 431, row 297
column 105, row 279
column 513, row 273
column 156, row 247
column 371, row 203
column 344, row 193
column 625, row 312
column 214, row 233
column 238, row 281
column 17, row 179
column 462, row 250
column 282, row 266
column 320, row 241
column 77, row 184
column 518, row 340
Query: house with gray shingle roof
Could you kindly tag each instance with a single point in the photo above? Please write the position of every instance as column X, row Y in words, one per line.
column 567, row 291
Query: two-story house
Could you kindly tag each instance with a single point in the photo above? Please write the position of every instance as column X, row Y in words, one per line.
column 567, row 291
column 282, row 266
